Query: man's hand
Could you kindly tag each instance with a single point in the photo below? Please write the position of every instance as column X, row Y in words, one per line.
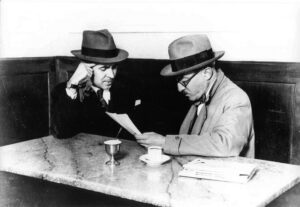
column 150, row 139
column 82, row 73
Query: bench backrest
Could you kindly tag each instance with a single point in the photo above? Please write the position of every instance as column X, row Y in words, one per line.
column 273, row 88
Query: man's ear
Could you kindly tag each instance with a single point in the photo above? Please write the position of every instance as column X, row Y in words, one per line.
column 208, row 72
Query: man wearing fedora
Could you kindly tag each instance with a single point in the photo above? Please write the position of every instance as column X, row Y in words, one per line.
column 79, row 105
column 219, row 122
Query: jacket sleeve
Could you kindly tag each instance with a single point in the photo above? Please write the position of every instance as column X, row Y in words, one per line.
column 65, row 113
column 228, row 137
column 123, row 97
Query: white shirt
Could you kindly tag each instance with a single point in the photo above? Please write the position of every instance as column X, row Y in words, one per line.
column 72, row 93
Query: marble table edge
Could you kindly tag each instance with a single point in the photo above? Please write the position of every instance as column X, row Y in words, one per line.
column 87, row 185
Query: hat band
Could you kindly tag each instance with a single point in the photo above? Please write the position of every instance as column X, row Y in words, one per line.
column 99, row 53
column 191, row 60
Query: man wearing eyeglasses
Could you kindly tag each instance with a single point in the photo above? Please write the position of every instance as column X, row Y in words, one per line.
column 219, row 122
column 79, row 105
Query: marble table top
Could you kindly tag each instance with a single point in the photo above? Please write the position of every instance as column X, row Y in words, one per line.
column 80, row 162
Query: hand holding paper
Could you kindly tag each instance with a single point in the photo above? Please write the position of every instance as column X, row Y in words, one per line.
column 148, row 139
column 125, row 122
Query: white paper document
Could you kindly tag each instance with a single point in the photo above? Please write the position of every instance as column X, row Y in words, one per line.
column 223, row 170
column 125, row 122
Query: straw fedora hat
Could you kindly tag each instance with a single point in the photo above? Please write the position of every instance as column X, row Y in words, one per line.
column 189, row 53
column 99, row 47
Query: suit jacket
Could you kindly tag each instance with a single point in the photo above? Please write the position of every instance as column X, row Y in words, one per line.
column 69, row 117
column 227, row 130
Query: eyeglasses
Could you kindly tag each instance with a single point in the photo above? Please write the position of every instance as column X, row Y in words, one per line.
column 186, row 82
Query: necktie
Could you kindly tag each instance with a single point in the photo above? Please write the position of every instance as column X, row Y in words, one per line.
column 199, row 121
column 101, row 99
column 193, row 123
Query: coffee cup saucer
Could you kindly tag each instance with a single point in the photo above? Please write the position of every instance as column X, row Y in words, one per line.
column 145, row 158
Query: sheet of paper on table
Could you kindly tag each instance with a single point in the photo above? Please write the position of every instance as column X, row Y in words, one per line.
column 219, row 170
column 125, row 122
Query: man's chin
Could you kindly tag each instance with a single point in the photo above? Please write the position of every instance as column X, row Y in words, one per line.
column 106, row 87
column 192, row 98
column 188, row 96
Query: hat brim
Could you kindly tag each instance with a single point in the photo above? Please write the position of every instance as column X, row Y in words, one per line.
column 122, row 55
column 167, row 70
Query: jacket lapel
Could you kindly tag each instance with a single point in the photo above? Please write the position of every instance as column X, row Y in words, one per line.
column 187, row 122
column 200, row 120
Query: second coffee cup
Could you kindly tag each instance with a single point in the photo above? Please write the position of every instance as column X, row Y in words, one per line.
column 155, row 153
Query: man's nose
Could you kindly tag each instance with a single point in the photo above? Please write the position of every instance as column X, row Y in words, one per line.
column 109, row 73
column 180, row 87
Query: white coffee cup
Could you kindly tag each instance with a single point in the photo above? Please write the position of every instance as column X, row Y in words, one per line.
column 155, row 153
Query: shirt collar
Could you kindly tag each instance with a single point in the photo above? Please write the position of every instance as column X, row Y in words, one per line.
column 105, row 94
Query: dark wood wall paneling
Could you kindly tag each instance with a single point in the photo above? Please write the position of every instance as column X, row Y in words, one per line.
column 25, row 85
column 273, row 88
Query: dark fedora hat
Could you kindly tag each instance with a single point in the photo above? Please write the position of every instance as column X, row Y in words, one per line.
column 190, row 53
column 99, row 47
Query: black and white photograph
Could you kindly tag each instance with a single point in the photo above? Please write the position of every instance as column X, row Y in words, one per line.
column 141, row 103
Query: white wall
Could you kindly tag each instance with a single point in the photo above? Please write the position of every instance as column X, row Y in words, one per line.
column 262, row 30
